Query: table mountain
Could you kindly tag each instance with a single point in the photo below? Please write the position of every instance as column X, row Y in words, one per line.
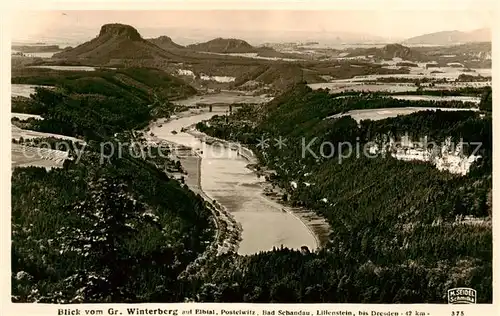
column 115, row 42
column 224, row 45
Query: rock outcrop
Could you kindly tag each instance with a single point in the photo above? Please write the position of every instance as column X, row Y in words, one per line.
column 115, row 43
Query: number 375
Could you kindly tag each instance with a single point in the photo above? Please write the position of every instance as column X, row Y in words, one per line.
column 461, row 313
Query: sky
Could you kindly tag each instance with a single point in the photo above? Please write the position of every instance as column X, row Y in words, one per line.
column 384, row 23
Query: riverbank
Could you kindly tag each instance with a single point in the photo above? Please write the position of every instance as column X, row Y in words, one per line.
column 228, row 182
column 228, row 230
column 317, row 225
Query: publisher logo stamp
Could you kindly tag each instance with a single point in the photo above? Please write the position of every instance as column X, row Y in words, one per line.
column 462, row 295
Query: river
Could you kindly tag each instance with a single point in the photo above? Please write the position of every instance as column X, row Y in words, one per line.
column 226, row 179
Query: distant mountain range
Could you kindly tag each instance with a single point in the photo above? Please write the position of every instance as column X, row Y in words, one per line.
column 122, row 44
column 36, row 48
column 217, row 45
column 451, row 37
column 187, row 36
column 71, row 36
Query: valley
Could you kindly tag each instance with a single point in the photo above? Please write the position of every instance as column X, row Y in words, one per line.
column 225, row 179
column 222, row 171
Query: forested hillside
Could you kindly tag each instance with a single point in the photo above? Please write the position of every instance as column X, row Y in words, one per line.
column 96, row 104
column 134, row 83
column 123, row 231
column 397, row 233
column 91, row 232
column 103, row 230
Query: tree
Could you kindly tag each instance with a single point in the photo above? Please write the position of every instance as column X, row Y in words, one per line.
column 486, row 103
column 111, row 217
